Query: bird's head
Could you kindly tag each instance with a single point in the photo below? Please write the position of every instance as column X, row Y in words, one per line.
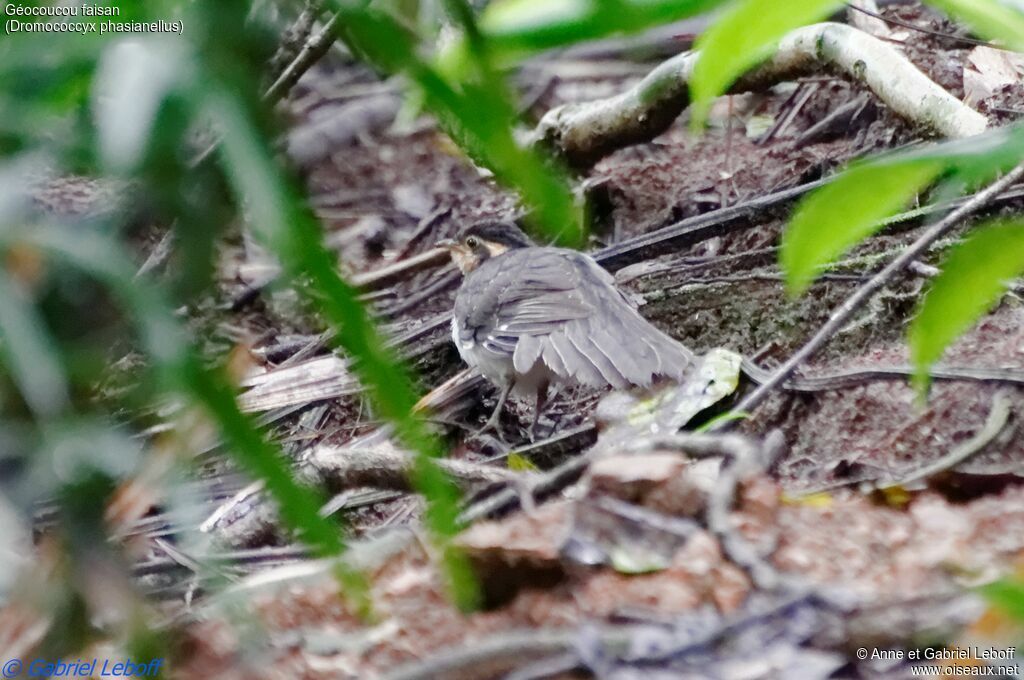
column 479, row 242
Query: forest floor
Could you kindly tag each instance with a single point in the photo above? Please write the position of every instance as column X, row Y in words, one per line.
column 877, row 555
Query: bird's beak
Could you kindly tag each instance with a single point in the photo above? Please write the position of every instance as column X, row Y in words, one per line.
column 445, row 243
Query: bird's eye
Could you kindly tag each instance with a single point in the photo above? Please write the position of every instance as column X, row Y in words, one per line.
column 472, row 242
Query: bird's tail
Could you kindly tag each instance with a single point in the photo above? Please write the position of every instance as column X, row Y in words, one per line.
column 645, row 353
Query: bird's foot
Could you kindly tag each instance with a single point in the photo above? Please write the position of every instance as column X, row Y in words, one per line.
column 540, row 431
column 532, row 432
column 493, row 425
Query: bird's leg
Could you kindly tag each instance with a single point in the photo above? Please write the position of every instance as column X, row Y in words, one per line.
column 542, row 395
column 494, row 422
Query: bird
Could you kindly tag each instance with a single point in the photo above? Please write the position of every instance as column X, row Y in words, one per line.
column 528, row 317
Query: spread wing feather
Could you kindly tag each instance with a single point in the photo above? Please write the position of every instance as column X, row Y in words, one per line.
column 630, row 368
column 577, row 365
column 553, row 360
column 559, row 307
column 527, row 352
column 578, row 334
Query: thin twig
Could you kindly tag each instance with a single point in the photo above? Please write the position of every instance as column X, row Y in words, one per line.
column 699, row 228
column 293, row 39
column 315, row 48
column 780, row 119
column 544, row 485
column 842, row 315
column 851, row 378
column 160, row 253
column 786, row 119
column 391, row 273
column 912, row 27
column 839, row 119
column 449, row 278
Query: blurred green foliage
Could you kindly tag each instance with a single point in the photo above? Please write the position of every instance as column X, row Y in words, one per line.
column 1006, row 594
column 853, row 206
column 30, row 353
column 973, row 278
column 515, row 29
column 1001, row 21
column 846, row 211
column 745, row 34
column 101, row 105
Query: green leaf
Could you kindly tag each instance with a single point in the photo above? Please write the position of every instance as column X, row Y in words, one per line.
column 849, row 209
column 180, row 370
column 132, row 80
column 520, row 463
column 742, row 38
column 477, row 115
column 721, row 419
column 993, row 19
column 529, row 17
column 973, row 278
column 973, row 160
column 517, row 28
column 280, row 220
column 854, row 204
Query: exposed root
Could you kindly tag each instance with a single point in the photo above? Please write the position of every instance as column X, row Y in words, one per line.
column 998, row 417
column 248, row 517
column 583, row 133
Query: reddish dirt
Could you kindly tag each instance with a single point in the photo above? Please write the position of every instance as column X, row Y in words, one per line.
column 893, row 557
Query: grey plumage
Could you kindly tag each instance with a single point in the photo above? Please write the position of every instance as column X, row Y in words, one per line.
column 536, row 315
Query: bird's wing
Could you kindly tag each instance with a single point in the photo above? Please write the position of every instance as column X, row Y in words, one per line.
column 616, row 341
column 561, row 307
column 528, row 291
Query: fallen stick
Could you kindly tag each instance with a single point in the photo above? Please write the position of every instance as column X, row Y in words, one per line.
column 384, row 466
column 583, row 133
column 396, row 271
